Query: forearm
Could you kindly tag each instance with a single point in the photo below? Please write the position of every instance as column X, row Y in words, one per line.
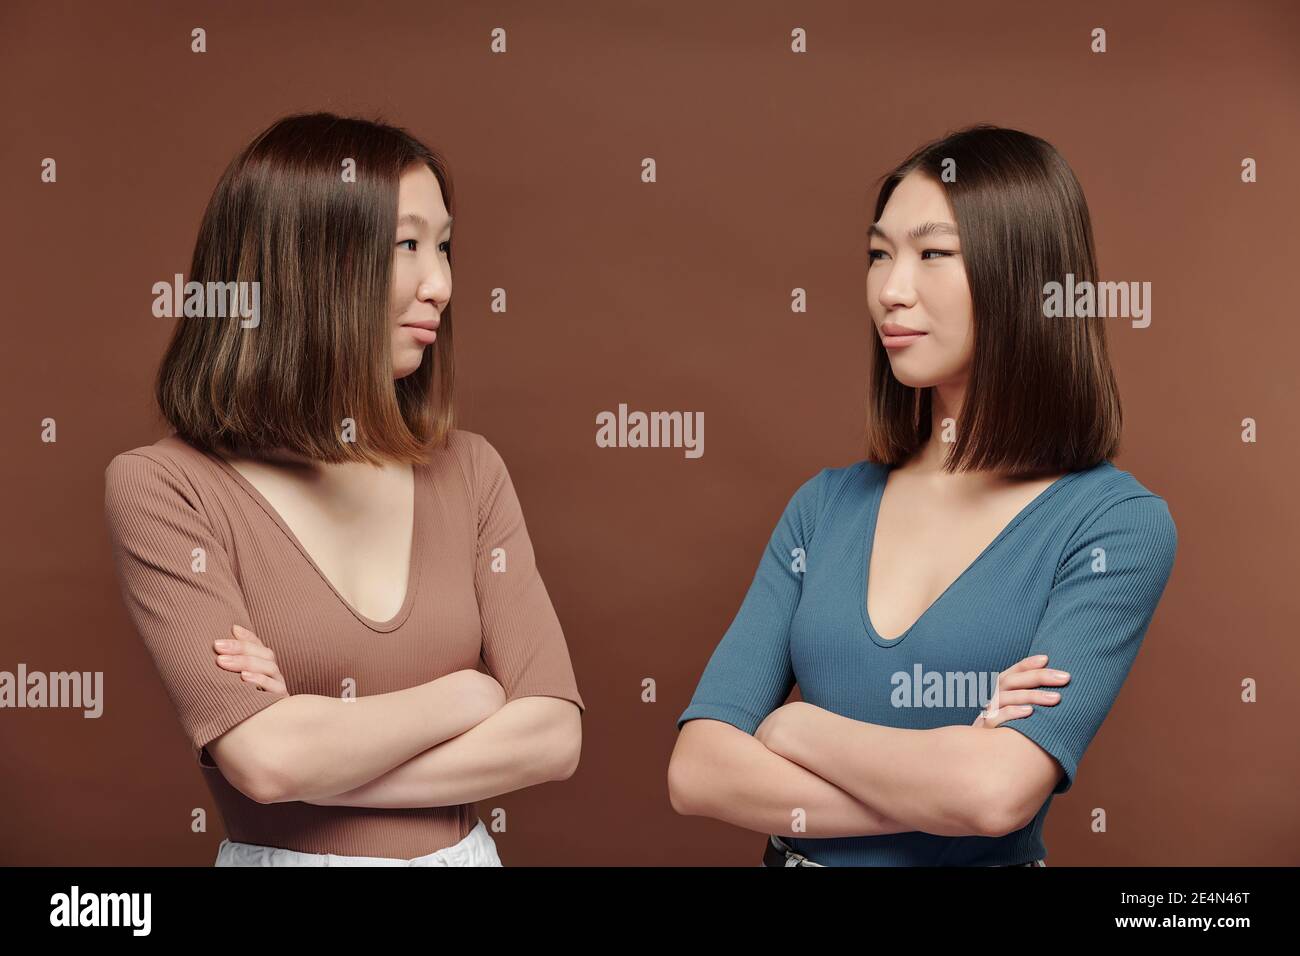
column 728, row 775
column 527, row 742
column 325, row 745
column 935, row 780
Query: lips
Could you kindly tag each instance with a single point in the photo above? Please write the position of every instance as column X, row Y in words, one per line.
column 895, row 336
column 424, row 332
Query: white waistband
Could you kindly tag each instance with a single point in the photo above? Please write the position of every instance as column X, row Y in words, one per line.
column 476, row 849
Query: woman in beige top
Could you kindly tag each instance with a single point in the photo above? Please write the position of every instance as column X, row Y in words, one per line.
column 317, row 559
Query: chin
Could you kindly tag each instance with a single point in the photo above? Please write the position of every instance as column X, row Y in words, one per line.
column 406, row 362
column 913, row 378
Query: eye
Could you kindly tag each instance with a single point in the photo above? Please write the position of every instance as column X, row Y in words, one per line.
column 937, row 252
column 413, row 242
column 873, row 253
column 446, row 247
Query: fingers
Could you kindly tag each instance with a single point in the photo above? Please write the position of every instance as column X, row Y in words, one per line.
column 1018, row 697
column 264, row 674
column 1019, row 688
column 248, row 644
column 245, row 634
column 252, row 651
column 269, row 683
column 1003, row 714
column 1017, row 678
column 244, row 662
column 253, row 660
column 1013, row 704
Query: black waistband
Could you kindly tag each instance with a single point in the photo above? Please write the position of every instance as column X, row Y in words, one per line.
column 774, row 855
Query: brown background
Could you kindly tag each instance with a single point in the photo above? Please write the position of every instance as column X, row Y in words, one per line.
column 672, row 296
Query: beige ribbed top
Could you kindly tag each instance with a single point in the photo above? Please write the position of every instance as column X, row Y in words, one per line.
column 165, row 500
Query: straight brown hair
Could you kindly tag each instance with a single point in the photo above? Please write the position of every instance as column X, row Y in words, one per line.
column 1041, row 396
column 321, row 248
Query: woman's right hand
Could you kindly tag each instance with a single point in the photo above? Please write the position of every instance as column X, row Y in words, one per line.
column 1019, row 688
column 245, row 654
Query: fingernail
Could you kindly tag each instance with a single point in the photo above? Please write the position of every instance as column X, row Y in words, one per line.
column 1041, row 659
column 225, row 658
column 1061, row 674
column 1053, row 695
column 239, row 630
column 225, row 645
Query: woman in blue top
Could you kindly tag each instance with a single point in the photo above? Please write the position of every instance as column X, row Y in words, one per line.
column 961, row 608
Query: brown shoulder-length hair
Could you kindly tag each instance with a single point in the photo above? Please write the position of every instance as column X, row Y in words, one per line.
column 1041, row 396
column 320, row 244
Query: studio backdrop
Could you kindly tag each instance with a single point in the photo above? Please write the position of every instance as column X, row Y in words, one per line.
column 662, row 207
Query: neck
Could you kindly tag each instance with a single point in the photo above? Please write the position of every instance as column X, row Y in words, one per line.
column 945, row 404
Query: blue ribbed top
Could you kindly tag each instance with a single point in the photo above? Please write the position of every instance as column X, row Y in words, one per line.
column 1040, row 587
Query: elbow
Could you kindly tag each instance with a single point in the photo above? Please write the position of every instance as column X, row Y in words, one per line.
column 677, row 789
column 993, row 824
column 258, row 784
column 683, row 789
column 243, row 761
column 269, row 783
column 257, row 754
column 1000, row 810
column 263, row 779
column 562, row 744
column 568, row 753
column 704, row 766
column 265, row 793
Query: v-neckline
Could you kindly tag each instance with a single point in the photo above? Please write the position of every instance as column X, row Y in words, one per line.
column 868, row 545
column 416, row 551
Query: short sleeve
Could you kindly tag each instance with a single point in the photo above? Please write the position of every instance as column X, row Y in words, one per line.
column 1107, row 586
column 749, row 674
column 523, row 644
column 179, row 600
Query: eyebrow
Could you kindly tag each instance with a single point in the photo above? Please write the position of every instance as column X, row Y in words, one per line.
column 917, row 232
column 416, row 219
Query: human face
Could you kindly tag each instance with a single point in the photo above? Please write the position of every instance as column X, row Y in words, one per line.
column 916, row 281
column 421, row 272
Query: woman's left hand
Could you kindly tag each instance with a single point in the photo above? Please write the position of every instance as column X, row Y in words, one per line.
column 250, row 658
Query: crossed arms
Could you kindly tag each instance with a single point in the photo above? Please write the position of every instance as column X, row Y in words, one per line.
column 852, row 778
column 450, row 741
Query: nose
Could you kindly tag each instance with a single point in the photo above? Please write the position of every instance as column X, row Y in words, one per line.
column 435, row 289
column 897, row 290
